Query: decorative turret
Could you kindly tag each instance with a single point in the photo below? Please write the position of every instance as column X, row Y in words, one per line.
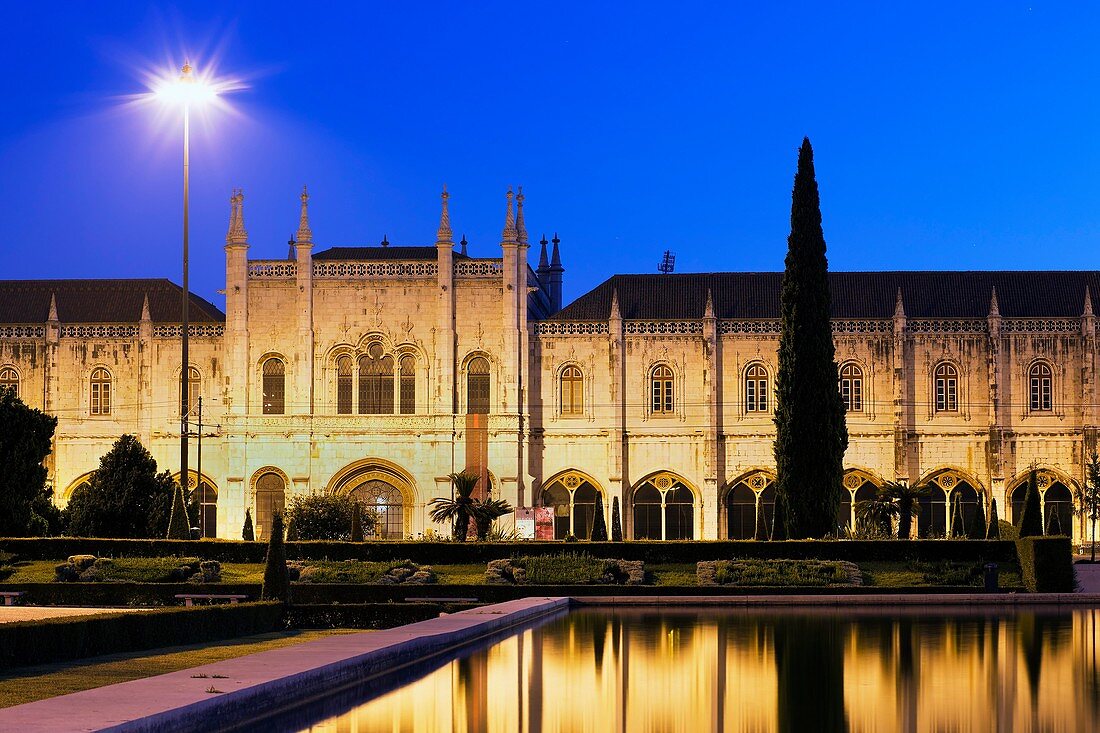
column 544, row 264
column 994, row 317
column 554, row 276
column 521, row 227
column 615, row 314
column 1088, row 319
column 509, row 233
column 708, row 311
column 899, row 313
column 443, row 236
column 463, row 243
column 305, row 234
column 53, row 325
column 145, row 317
column 236, row 236
column 52, row 316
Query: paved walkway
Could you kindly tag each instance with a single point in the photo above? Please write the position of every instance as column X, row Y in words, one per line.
column 1088, row 577
column 11, row 614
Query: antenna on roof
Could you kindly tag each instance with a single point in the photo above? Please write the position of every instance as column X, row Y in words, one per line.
column 668, row 263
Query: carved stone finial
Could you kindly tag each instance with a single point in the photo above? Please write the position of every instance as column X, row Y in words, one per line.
column 53, row 308
column 444, row 235
column 521, row 227
column 708, row 312
column 555, row 258
column 544, row 263
column 1088, row 302
column 236, row 233
column 899, row 306
column 305, row 234
column 463, row 243
column 994, row 307
column 615, row 303
column 509, row 234
column 145, row 317
column 385, row 241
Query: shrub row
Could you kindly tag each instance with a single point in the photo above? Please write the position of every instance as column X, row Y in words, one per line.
column 61, row 639
column 1046, row 564
column 365, row 615
column 446, row 553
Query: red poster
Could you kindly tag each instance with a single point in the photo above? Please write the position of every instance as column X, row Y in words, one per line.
column 544, row 523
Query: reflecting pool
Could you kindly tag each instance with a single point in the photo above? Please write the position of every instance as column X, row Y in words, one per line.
column 845, row 669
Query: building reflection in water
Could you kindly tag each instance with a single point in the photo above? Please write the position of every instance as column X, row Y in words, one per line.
column 754, row 672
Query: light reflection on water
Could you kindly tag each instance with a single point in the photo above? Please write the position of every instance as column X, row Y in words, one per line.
column 691, row 671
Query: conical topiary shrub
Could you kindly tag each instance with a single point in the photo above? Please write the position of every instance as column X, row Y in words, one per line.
column 357, row 523
column 276, row 585
column 958, row 524
column 179, row 528
column 993, row 531
column 599, row 524
column 1031, row 518
column 1054, row 522
column 616, row 521
column 977, row 528
column 292, row 532
column 248, row 533
column 761, row 531
column 779, row 519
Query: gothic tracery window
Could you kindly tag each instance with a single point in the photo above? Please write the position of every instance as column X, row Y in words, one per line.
column 270, row 500
column 408, row 384
column 343, row 385
column 572, row 391
column 851, row 387
column 477, row 386
column 661, row 383
column 947, row 388
column 100, row 392
column 1042, row 380
column 756, row 388
column 9, row 379
column 388, row 504
column 274, row 386
column 193, row 381
column 375, row 382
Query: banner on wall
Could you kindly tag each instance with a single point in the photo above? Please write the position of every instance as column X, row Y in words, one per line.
column 544, row 523
column 525, row 524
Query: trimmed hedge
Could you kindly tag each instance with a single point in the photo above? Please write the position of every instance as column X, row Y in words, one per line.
column 1046, row 564
column 449, row 553
column 366, row 615
column 62, row 639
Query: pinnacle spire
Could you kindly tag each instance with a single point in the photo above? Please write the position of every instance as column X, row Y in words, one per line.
column 543, row 262
column 615, row 303
column 444, row 235
column 53, row 308
column 555, row 258
column 236, row 233
column 305, row 234
column 145, row 309
column 1088, row 302
column 708, row 312
column 509, row 234
column 994, row 307
column 463, row 243
column 899, row 307
column 521, row 227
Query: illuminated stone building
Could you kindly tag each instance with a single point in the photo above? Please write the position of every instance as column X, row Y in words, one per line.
column 380, row 370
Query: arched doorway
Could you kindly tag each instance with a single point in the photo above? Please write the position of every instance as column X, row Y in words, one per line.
column 740, row 512
column 663, row 509
column 270, row 489
column 1058, row 509
column 384, row 489
column 573, row 497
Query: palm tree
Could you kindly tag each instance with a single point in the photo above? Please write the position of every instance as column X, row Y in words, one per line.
column 459, row 509
column 486, row 512
column 875, row 517
column 907, row 500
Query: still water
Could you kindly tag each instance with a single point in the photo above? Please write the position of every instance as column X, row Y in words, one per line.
column 692, row 671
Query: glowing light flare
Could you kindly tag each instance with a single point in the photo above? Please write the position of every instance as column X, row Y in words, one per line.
column 190, row 89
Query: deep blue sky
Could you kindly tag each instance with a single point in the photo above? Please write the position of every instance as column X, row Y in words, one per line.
column 947, row 135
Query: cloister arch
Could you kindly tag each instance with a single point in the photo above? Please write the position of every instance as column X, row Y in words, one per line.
column 383, row 487
column 75, row 484
column 268, row 490
column 664, row 506
column 204, row 490
column 573, row 494
column 743, row 498
column 944, row 484
column 1061, row 501
column 858, row 485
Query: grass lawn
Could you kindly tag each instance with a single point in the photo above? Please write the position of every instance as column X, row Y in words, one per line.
column 670, row 574
column 27, row 684
column 886, row 574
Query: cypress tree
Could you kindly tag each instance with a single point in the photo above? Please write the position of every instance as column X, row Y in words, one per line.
column 248, row 533
column 357, row 523
column 1054, row 523
column 178, row 526
column 616, row 521
column 291, row 530
column 761, row 532
column 993, row 531
column 977, row 529
column 276, row 585
column 958, row 524
column 599, row 524
column 779, row 519
column 809, row 416
column 1031, row 518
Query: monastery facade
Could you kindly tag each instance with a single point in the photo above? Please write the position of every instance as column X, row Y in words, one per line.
column 378, row 371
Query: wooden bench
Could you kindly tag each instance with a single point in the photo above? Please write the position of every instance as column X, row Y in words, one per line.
column 11, row 596
column 440, row 600
column 190, row 598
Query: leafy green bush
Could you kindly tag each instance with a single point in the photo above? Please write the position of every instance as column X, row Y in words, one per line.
column 131, row 570
column 349, row 571
column 327, row 517
column 774, row 572
column 1046, row 564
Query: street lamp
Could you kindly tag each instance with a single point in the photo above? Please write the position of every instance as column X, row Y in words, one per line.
column 186, row 91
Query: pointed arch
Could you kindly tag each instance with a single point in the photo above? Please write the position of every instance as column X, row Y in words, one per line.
column 665, row 506
column 573, row 495
column 384, row 487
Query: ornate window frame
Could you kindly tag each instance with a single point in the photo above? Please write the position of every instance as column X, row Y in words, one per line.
column 856, row 399
column 757, row 406
column 192, row 395
column 962, row 390
column 91, row 380
column 756, row 479
column 1056, row 407
column 670, row 389
column 287, row 381
column 16, row 380
column 559, row 385
column 571, row 480
column 464, row 380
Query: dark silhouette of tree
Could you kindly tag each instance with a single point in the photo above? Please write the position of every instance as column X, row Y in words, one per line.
column 276, row 585
column 1031, row 518
column 599, row 524
column 248, row 532
column 616, row 521
column 26, row 504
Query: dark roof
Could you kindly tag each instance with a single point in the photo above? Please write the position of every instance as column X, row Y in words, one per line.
column 100, row 301
column 381, row 253
column 1046, row 294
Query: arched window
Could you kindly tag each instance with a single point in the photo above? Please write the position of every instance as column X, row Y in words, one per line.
column 343, row 385
column 968, row 499
column 557, row 497
column 375, row 382
column 1041, row 387
column 101, row 392
column 207, row 499
column 274, row 386
column 270, row 500
column 647, row 512
column 387, row 502
column 193, row 382
column 9, row 379
column 572, row 388
column 679, row 513
column 408, row 384
column 574, row 502
column 741, row 513
column 756, row 388
column 661, row 383
column 1058, row 510
column 851, row 387
column 947, row 388
column 664, row 509
column 477, row 386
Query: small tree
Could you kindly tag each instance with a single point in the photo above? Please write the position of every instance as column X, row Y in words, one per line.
column 460, row 509
column 599, row 524
column 616, row 521
column 276, row 585
column 993, row 529
column 248, row 533
column 325, row 517
column 906, row 499
column 26, row 504
column 357, row 522
column 1088, row 498
column 958, row 523
column 875, row 517
column 1031, row 518
column 1054, row 523
column 977, row 529
column 760, row 534
column 292, row 532
column 486, row 512
column 179, row 528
